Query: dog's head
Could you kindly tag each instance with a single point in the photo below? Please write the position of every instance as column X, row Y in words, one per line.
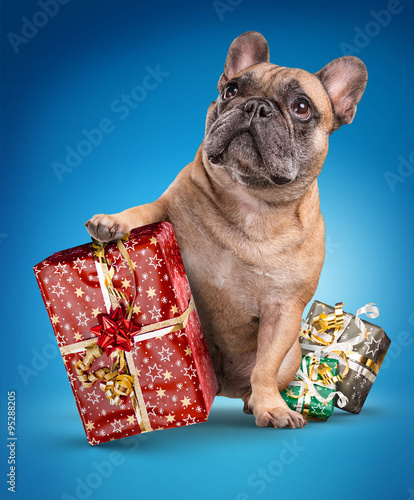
column 270, row 125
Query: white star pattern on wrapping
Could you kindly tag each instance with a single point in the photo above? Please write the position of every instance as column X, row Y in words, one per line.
column 119, row 262
column 155, row 262
column 116, row 424
column 155, row 313
column 188, row 370
column 60, row 339
column 320, row 408
column 372, row 346
column 71, row 377
column 93, row 398
column 190, row 420
column 135, row 349
column 94, row 441
column 130, row 245
column 150, row 409
column 58, row 290
column 60, row 269
column 156, row 369
column 79, row 264
column 82, row 319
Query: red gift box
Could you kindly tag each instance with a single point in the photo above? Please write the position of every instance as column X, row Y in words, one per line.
column 152, row 373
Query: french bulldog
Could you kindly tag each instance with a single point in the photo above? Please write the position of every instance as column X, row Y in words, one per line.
column 247, row 217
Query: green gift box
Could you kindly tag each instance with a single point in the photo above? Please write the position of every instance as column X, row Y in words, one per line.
column 358, row 346
column 313, row 389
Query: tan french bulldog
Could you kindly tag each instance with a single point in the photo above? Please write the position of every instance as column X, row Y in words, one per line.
column 247, row 218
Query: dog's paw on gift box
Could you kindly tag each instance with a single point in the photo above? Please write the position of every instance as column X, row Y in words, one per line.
column 105, row 227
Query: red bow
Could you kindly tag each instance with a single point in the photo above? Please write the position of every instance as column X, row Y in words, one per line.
column 114, row 331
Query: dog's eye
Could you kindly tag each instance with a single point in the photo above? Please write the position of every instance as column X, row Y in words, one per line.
column 231, row 91
column 301, row 108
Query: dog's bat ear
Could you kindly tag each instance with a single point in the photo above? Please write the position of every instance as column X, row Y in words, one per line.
column 344, row 80
column 247, row 49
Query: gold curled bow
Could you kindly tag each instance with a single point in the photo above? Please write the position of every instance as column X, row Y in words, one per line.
column 114, row 383
column 324, row 371
column 329, row 324
column 81, row 367
column 115, row 389
column 118, row 383
column 325, row 323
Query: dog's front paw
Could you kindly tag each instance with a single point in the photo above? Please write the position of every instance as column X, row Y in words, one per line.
column 105, row 227
column 279, row 416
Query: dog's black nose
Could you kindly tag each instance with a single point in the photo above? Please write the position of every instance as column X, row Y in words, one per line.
column 258, row 108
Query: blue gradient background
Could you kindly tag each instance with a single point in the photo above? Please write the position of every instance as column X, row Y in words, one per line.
column 63, row 81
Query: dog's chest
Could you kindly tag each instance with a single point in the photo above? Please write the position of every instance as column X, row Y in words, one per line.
column 224, row 280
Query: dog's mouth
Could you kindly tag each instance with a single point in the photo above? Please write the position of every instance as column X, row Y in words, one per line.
column 280, row 181
column 252, row 159
column 218, row 160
